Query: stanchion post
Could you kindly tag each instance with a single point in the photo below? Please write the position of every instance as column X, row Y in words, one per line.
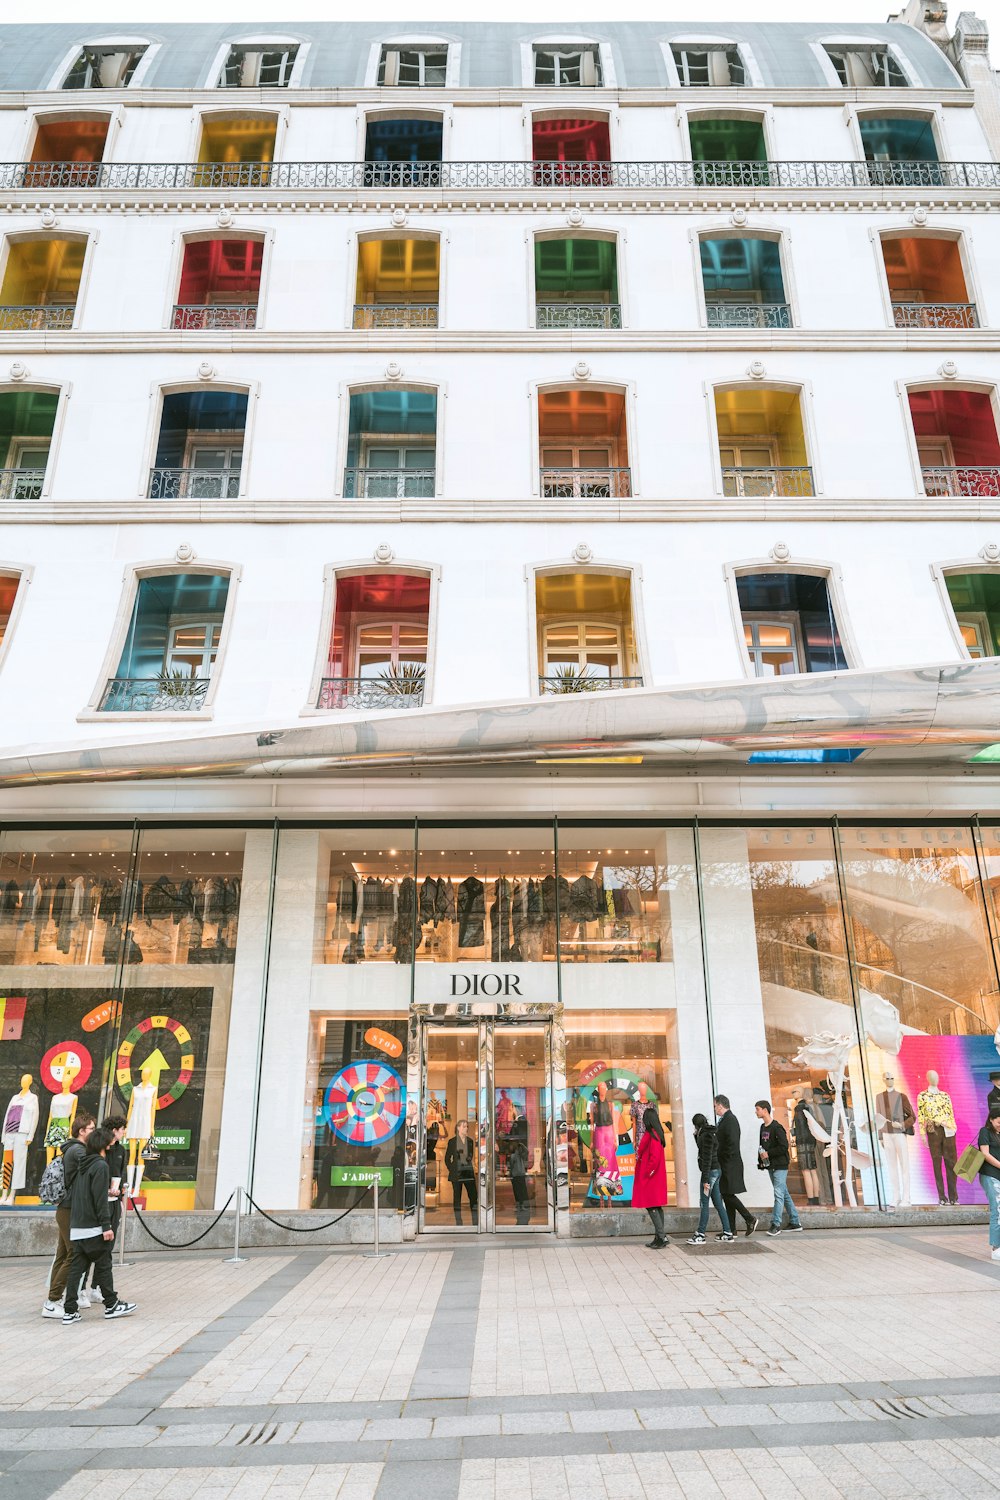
column 124, row 1225
column 373, row 1254
column 236, row 1259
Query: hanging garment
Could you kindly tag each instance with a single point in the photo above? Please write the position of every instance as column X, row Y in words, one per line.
column 471, row 913
column 428, row 899
column 10, row 898
column 500, row 921
column 403, row 937
column 550, row 888
column 445, row 906
column 585, row 900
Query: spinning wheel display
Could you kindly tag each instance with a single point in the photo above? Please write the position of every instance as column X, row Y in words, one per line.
column 364, row 1103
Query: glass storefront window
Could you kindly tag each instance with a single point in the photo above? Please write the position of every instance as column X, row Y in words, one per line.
column 486, row 896
column 370, row 898
column 925, row 969
column 356, row 1126
column 614, row 890
column 616, row 1065
column 115, row 991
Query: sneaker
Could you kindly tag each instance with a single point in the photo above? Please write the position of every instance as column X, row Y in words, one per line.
column 71, row 1317
column 797, row 1228
column 751, row 1227
column 83, row 1299
column 773, row 1232
column 728, row 1239
column 52, row 1309
column 697, row 1239
column 120, row 1309
column 663, row 1243
column 995, row 1254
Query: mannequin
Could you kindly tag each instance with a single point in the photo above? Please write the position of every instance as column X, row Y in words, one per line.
column 606, row 1181
column 19, row 1125
column 897, row 1119
column 639, row 1110
column 140, row 1127
column 805, row 1145
column 936, row 1117
column 62, row 1110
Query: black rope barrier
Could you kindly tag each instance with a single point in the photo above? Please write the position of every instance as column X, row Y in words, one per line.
column 309, row 1228
column 185, row 1244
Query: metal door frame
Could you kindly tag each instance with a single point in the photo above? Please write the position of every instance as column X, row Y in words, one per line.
column 484, row 1017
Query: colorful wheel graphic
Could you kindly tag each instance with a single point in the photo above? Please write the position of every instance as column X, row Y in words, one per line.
column 180, row 1034
column 365, row 1103
column 66, row 1055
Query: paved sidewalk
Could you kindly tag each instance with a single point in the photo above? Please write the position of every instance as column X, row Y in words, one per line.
column 831, row 1364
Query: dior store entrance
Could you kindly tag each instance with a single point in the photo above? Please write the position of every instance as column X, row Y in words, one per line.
column 491, row 1081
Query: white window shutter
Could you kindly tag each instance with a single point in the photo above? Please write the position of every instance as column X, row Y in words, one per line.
column 718, row 68
column 588, row 68
column 391, row 67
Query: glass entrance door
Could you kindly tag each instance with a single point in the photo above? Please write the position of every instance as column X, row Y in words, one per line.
column 486, row 1137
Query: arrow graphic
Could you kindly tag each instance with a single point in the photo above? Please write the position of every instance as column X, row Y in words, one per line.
column 157, row 1064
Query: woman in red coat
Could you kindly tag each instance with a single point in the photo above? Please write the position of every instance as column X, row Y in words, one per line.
column 649, row 1186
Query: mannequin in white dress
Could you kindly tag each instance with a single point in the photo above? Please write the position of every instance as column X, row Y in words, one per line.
column 140, row 1127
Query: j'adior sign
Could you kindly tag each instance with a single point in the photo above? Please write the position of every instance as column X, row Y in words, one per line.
column 465, row 982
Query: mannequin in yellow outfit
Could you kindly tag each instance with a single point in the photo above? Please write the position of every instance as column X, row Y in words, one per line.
column 140, row 1127
column 62, row 1111
column 20, row 1122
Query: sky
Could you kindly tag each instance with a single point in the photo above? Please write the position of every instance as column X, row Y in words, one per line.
column 578, row 11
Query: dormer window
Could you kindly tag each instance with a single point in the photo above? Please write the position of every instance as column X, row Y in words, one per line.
column 709, row 67
column 259, row 67
column 413, row 67
column 104, row 68
column 866, row 68
column 579, row 68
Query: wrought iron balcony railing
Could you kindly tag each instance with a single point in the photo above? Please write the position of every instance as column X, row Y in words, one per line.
column 366, row 693
column 154, row 695
column 395, row 315
column 784, row 482
column 935, row 315
column 578, row 315
column 208, row 315
column 28, row 319
column 194, row 484
column 388, row 484
column 748, row 314
column 586, row 484
column 449, row 175
column 967, row 480
column 559, row 683
column 21, row 484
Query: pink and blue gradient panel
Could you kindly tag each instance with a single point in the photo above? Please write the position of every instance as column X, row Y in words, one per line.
column 963, row 1065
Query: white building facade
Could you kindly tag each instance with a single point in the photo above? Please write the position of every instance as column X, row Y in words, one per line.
column 499, row 609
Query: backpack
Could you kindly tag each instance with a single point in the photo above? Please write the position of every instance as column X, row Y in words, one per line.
column 53, row 1183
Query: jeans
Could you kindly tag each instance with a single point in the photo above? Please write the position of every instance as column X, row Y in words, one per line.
column 95, row 1251
column 782, row 1197
column 991, row 1187
column 714, row 1195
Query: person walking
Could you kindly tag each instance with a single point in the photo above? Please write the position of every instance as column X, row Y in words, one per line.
column 116, row 1159
column 773, row 1158
column 706, row 1136
column 727, row 1135
column 989, row 1172
column 460, row 1162
column 649, row 1185
column 72, row 1153
column 90, row 1232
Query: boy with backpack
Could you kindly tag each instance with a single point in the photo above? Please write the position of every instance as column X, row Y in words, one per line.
column 56, row 1187
column 90, row 1231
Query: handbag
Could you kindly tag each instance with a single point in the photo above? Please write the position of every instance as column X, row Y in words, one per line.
column 969, row 1163
column 149, row 1151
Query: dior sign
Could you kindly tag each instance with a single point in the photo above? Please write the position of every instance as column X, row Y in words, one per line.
column 491, row 985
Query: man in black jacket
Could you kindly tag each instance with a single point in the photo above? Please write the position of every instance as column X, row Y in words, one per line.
column 727, row 1135
column 773, row 1157
column 90, row 1231
column 72, row 1155
column 116, row 1160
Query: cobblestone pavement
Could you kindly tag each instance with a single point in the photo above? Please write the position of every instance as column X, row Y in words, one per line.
column 857, row 1364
